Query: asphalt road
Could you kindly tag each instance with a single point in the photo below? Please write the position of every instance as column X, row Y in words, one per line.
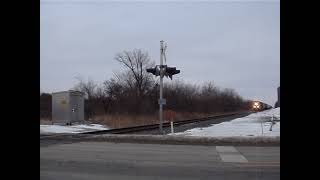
column 106, row 160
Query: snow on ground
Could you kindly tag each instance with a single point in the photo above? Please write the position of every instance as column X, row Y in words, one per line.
column 48, row 129
column 256, row 124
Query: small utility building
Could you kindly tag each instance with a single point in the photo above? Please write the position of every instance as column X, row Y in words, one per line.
column 67, row 107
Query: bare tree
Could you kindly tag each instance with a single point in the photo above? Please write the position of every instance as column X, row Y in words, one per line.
column 99, row 92
column 208, row 89
column 136, row 77
column 87, row 87
column 134, row 91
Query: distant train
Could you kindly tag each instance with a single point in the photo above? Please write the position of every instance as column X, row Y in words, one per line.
column 260, row 106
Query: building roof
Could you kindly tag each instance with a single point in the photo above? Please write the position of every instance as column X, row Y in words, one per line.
column 69, row 91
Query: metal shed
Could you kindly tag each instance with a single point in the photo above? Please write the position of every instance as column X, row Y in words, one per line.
column 67, row 107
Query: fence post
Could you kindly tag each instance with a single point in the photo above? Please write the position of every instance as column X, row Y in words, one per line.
column 171, row 126
column 272, row 119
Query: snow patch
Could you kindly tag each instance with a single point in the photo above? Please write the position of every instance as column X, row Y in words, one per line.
column 71, row 129
column 256, row 124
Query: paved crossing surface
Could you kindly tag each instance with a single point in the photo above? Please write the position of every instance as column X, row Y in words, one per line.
column 230, row 154
column 104, row 160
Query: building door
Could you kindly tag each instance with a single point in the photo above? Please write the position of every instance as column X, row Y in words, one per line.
column 74, row 106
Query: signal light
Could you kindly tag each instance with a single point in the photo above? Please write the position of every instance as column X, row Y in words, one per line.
column 167, row 71
column 155, row 71
column 170, row 71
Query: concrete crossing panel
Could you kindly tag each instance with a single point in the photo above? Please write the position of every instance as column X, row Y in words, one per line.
column 230, row 154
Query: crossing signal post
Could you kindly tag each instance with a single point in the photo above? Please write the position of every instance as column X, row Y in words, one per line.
column 162, row 70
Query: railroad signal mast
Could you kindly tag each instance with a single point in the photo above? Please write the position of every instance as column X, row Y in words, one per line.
column 162, row 70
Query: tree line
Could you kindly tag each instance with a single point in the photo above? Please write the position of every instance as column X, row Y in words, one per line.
column 135, row 92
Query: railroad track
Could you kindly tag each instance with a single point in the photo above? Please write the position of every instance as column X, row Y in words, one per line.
column 156, row 126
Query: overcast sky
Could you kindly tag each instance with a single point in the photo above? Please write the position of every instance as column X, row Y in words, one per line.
column 235, row 44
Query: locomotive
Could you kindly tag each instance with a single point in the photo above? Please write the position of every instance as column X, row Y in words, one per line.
column 260, row 106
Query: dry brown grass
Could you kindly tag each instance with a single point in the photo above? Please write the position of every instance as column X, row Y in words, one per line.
column 121, row 121
column 45, row 121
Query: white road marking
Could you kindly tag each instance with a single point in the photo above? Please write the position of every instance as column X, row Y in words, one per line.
column 226, row 149
column 230, row 154
column 233, row 158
